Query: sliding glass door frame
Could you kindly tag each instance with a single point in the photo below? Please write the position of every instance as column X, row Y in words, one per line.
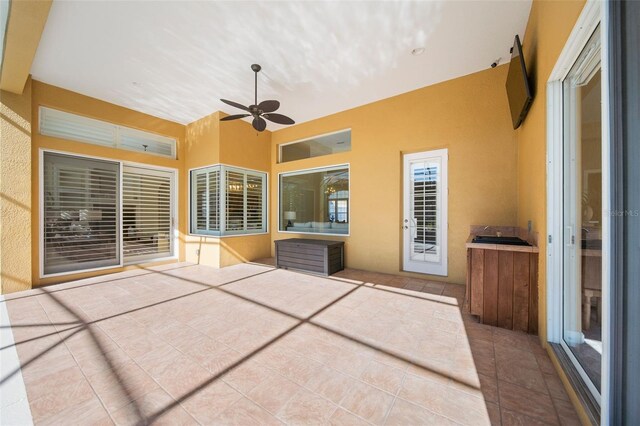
column 589, row 20
column 121, row 165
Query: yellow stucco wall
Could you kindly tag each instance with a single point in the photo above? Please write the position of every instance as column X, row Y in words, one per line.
column 549, row 26
column 548, row 29
column 202, row 148
column 65, row 100
column 15, row 190
column 234, row 143
column 468, row 115
column 242, row 146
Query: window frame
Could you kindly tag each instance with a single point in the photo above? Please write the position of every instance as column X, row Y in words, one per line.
column 222, row 201
column 313, row 170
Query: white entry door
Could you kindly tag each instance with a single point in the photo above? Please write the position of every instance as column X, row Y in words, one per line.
column 424, row 223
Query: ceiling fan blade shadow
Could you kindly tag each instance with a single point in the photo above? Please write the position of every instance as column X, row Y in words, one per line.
column 234, row 117
column 279, row 118
column 269, row 106
column 235, row 104
column 259, row 124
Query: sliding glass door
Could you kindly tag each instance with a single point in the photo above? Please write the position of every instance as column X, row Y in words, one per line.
column 582, row 215
column 100, row 213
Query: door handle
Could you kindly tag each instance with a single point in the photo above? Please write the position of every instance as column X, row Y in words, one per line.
column 569, row 236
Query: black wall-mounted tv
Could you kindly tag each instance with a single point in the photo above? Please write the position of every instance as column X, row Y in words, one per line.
column 518, row 88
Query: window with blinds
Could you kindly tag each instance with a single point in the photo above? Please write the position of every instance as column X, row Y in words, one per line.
column 75, row 127
column 228, row 201
column 205, row 201
column 146, row 213
column 80, row 206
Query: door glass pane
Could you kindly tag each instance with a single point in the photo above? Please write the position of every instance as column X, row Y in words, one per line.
column 582, row 245
column 423, row 220
column 80, row 206
column 146, row 213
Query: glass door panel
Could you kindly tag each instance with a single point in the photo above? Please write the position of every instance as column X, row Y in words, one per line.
column 80, row 206
column 582, row 240
column 147, row 213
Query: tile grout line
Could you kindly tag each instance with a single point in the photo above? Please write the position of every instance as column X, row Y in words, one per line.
column 142, row 418
column 84, row 326
column 272, row 341
column 304, row 386
column 39, row 290
column 132, row 359
column 9, row 358
column 64, row 342
column 395, row 398
column 495, row 361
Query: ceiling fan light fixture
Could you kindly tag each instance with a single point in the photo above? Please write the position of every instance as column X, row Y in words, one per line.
column 259, row 111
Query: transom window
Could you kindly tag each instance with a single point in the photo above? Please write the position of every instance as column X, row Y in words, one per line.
column 228, row 200
column 64, row 125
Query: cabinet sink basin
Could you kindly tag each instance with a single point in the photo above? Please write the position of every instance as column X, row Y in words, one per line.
column 493, row 239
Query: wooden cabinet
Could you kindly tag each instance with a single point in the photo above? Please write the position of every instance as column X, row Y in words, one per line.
column 319, row 256
column 502, row 288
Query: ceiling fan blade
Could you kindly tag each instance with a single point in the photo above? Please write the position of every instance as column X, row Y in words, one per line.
column 279, row 118
column 268, row 106
column 234, row 117
column 235, row 104
column 259, row 124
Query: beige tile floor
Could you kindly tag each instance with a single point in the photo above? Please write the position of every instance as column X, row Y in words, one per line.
column 249, row 344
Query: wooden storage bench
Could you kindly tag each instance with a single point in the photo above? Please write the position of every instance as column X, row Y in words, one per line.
column 318, row 256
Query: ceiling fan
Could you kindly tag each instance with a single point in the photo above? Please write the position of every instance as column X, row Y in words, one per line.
column 258, row 110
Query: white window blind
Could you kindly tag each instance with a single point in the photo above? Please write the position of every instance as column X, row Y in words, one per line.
column 254, row 203
column 80, row 206
column 146, row 213
column 228, row 201
column 235, row 201
column 75, row 127
column 425, row 209
column 205, row 201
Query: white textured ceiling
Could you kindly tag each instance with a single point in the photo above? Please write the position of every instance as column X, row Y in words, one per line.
column 175, row 60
